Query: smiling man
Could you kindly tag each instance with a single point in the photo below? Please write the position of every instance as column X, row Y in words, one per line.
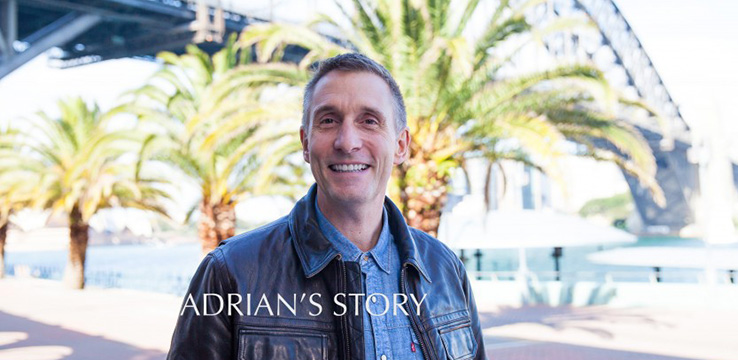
column 342, row 276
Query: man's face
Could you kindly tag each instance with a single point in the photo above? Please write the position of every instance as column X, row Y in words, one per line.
column 352, row 142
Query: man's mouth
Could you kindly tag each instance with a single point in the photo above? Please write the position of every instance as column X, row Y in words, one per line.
column 348, row 167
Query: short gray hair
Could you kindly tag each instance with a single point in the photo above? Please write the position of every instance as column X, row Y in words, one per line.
column 354, row 62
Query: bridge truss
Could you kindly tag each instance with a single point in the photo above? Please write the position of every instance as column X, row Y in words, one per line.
column 620, row 54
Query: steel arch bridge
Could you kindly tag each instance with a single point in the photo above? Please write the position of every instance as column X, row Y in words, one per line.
column 88, row 31
column 620, row 54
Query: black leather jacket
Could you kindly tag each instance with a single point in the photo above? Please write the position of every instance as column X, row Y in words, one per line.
column 291, row 257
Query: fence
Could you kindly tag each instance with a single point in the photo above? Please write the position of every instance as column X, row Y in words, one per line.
column 177, row 283
column 657, row 275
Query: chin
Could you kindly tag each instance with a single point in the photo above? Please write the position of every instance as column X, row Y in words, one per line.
column 351, row 196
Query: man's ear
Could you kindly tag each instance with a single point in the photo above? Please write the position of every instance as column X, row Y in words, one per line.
column 304, row 141
column 403, row 146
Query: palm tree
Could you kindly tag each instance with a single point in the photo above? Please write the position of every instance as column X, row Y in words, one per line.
column 16, row 193
column 221, row 121
column 80, row 165
column 16, row 187
column 462, row 99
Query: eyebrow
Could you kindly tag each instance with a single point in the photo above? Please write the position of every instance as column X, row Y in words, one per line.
column 368, row 109
column 324, row 109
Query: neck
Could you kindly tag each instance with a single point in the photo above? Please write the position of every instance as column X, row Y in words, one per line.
column 361, row 224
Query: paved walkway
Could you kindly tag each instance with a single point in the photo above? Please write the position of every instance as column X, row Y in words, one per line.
column 601, row 332
column 40, row 320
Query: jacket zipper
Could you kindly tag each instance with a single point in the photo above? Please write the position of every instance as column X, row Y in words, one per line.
column 416, row 328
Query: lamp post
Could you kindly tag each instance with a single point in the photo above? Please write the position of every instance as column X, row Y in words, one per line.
column 557, row 253
column 478, row 254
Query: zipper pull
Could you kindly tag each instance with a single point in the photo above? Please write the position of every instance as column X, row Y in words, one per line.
column 412, row 346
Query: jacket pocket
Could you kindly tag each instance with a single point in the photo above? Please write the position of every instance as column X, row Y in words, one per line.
column 458, row 340
column 281, row 343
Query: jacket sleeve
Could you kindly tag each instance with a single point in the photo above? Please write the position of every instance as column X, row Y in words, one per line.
column 472, row 305
column 204, row 328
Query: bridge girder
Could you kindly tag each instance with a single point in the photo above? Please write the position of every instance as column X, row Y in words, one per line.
column 62, row 30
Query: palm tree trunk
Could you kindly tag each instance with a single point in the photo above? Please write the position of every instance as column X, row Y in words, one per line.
column 3, row 236
column 422, row 198
column 74, row 277
column 424, row 209
column 217, row 223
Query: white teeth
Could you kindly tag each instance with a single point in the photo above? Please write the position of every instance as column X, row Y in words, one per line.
column 349, row 167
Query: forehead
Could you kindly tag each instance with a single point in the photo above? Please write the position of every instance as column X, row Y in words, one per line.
column 345, row 89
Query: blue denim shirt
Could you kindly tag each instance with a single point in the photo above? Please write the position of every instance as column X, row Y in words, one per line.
column 387, row 336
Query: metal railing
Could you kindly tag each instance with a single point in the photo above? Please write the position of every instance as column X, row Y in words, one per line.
column 685, row 276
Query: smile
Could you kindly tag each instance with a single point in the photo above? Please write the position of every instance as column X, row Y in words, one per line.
column 348, row 167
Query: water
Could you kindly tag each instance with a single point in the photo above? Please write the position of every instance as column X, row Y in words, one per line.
column 168, row 269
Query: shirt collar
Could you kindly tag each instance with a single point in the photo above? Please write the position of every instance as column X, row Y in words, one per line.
column 315, row 251
column 380, row 252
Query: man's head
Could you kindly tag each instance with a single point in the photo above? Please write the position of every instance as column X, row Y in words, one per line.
column 354, row 129
column 354, row 62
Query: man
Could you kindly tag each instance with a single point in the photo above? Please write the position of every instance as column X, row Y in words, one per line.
column 342, row 276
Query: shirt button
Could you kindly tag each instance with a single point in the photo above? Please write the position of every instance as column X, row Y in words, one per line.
column 384, row 357
column 374, row 299
column 366, row 257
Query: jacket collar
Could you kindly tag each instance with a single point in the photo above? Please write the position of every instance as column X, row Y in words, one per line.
column 315, row 251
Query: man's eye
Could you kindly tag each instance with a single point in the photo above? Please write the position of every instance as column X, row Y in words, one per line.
column 327, row 121
column 371, row 121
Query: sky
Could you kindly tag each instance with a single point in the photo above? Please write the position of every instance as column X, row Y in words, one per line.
column 693, row 44
column 694, row 47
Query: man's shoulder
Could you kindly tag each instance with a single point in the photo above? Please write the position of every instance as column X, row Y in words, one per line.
column 423, row 239
column 250, row 243
column 429, row 246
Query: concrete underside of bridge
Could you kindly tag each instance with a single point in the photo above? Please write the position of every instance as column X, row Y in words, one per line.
column 88, row 31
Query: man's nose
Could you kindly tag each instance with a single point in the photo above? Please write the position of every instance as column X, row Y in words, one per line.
column 348, row 139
